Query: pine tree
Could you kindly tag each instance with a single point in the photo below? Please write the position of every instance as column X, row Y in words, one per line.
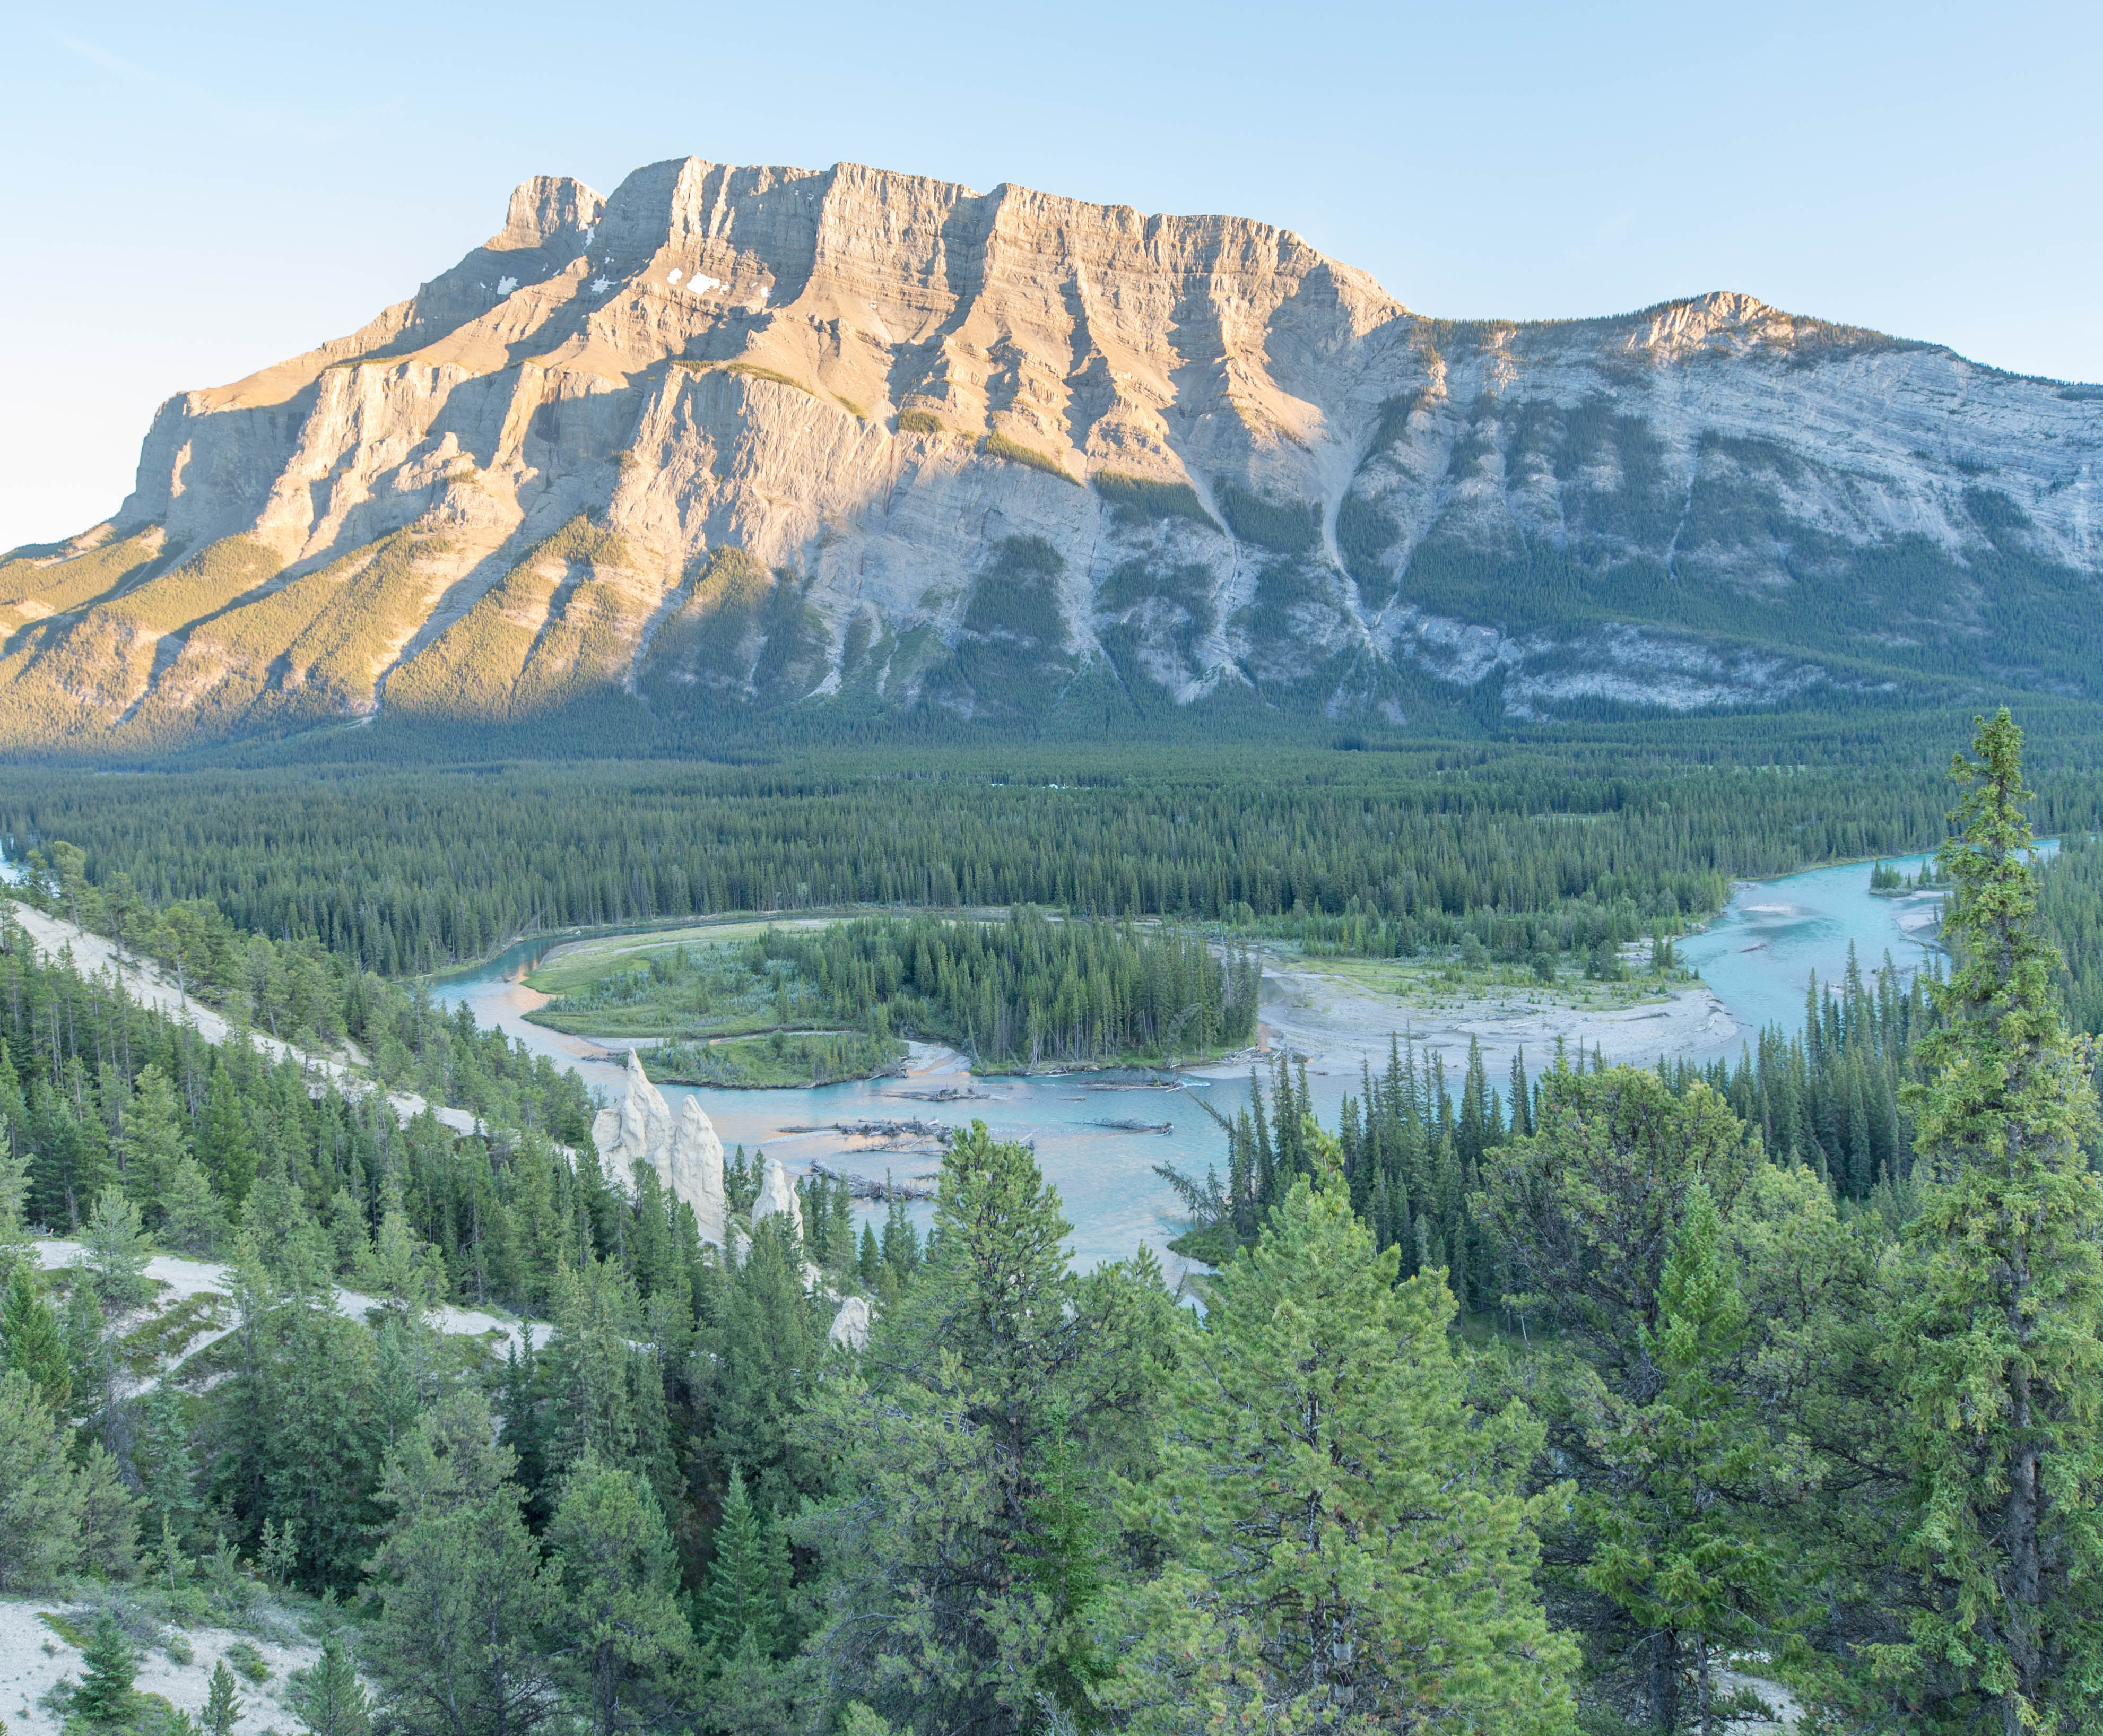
column 40, row 1502
column 109, row 1516
column 222, row 1705
column 150, row 1141
column 225, row 1145
column 1672, row 1546
column 105, row 1698
column 326, row 1698
column 117, row 1252
column 626, row 1639
column 768, row 1360
column 747, row 1584
column 1998, row 1329
column 30, row 1341
column 90, row 1367
column 466, row 1596
column 959, row 1558
column 1347, row 1541
column 191, row 1220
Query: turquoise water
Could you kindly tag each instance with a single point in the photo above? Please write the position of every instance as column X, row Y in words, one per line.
column 1758, row 956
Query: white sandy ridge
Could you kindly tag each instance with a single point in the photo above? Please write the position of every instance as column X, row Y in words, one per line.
column 93, row 954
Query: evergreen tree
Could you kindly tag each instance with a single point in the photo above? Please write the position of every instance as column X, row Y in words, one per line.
column 402, row 1270
column 1998, row 1330
column 768, row 1358
column 626, row 1639
column 222, row 1705
column 1347, row 1544
column 91, row 1366
column 605, row 1397
column 1672, row 1546
column 40, row 1502
column 466, row 1598
column 744, row 1600
column 326, row 1698
column 109, row 1516
column 191, row 1220
column 966, row 1550
column 117, row 1251
column 105, row 1698
column 166, row 1467
column 1583, row 1214
column 30, row 1341
column 226, row 1147
column 150, row 1142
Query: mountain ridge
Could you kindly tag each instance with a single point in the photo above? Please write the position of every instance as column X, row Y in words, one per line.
column 730, row 441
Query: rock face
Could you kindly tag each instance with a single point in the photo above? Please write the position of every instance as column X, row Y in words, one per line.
column 850, row 1326
column 739, row 439
column 777, row 1197
column 686, row 1154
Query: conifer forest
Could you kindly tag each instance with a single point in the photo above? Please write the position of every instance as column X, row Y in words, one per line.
column 373, row 1358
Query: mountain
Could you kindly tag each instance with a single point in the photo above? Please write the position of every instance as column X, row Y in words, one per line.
column 849, row 444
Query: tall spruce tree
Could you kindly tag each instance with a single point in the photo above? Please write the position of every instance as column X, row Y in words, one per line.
column 106, row 1698
column 30, row 1341
column 1585, row 1215
column 1349, row 1546
column 458, row 1649
column 150, row 1141
column 1998, row 1330
column 746, row 1599
column 40, row 1497
column 326, row 1697
column 1672, row 1543
column 627, row 1645
column 967, row 1543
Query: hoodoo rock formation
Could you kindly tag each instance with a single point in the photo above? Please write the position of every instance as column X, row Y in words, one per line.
column 733, row 440
column 685, row 1153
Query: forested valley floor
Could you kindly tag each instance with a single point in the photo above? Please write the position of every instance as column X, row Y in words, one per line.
column 1591, row 1398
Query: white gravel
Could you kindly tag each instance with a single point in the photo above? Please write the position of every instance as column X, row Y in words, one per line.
column 34, row 1659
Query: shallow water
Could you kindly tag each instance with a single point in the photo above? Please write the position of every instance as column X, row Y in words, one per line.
column 1758, row 956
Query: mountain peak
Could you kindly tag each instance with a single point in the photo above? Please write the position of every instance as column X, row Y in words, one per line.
column 735, row 438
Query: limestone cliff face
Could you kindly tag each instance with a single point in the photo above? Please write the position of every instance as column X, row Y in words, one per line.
column 737, row 438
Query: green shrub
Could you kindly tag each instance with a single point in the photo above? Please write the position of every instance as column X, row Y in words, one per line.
column 248, row 1661
column 1139, row 499
column 919, row 421
column 998, row 445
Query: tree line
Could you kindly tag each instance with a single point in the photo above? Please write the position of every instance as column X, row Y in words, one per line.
column 407, row 872
column 1022, row 990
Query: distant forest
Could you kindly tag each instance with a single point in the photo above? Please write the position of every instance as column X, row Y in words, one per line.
column 1604, row 835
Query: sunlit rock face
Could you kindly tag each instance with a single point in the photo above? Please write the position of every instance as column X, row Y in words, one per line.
column 735, row 439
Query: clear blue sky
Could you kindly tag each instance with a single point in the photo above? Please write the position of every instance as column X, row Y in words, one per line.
column 201, row 189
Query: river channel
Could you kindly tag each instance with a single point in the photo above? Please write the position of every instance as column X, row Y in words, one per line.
column 1756, row 957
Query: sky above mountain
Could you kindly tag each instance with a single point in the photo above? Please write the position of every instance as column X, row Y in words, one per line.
column 199, row 192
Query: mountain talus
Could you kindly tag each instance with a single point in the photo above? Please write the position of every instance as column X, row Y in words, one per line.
column 738, row 439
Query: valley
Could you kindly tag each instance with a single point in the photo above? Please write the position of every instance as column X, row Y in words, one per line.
column 832, row 956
